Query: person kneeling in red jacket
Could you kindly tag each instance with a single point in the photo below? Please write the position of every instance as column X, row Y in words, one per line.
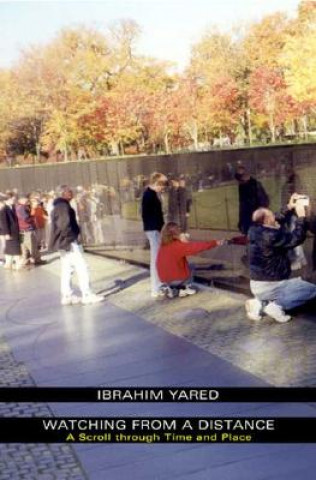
column 172, row 265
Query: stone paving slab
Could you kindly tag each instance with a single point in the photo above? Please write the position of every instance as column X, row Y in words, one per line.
column 133, row 340
column 243, row 463
column 283, row 355
column 31, row 461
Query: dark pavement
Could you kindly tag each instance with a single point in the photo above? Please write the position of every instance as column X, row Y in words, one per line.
column 132, row 340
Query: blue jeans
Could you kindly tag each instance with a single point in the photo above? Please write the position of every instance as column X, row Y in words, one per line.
column 179, row 284
column 154, row 242
column 287, row 293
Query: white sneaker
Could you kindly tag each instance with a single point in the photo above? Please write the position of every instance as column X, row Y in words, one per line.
column 253, row 309
column 159, row 294
column 166, row 291
column 169, row 292
column 92, row 298
column 276, row 312
column 70, row 300
column 186, row 291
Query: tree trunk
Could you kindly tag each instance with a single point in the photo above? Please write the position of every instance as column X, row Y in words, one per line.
column 305, row 125
column 249, row 126
column 38, row 152
column 272, row 127
column 194, row 134
column 166, row 143
column 115, row 148
column 142, row 145
column 121, row 148
column 65, row 152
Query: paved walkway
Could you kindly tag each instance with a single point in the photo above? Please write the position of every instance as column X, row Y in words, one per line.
column 132, row 340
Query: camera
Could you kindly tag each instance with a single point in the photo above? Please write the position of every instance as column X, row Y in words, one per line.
column 303, row 200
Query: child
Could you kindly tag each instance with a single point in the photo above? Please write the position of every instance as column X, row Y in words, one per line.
column 40, row 217
column 172, row 265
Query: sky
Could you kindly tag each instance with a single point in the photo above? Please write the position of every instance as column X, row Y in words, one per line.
column 169, row 27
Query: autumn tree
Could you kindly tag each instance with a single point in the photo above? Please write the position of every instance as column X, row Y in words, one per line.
column 268, row 97
column 64, row 80
column 224, row 107
column 299, row 61
column 7, row 108
column 213, row 62
column 88, row 89
column 264, row 41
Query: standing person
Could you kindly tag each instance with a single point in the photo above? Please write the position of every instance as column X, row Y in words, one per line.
column 83, row 205
column 10, row 228
column 48, row 206
column 179, row 203
column 64, row 238
column 40, row 216
column 2, row 230
column 185, row 202
column 153, row 221
column 270, row 268
column 29, row 243
column 252, row 196
column 292, row 185
column 96, row 218
column 173, row 201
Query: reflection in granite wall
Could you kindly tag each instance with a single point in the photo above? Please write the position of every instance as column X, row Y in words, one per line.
column 202, row 195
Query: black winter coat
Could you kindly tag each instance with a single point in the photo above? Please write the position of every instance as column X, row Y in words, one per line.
column 10, row 226
column 179, row 203
column 2, row 220
column 252, row 195
column 64, row 227
column 152, row 211
column 268, row 250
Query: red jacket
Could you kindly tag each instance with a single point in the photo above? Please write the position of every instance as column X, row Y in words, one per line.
column 26, row 220
column 171, row 260
column 39, row 215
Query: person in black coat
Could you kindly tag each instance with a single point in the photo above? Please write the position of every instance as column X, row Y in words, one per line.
column 64, row 226
column 252, row 196
column 173, row 201
column 179, row 203
column 64, row 236
column 10, row 230
column 2, row 234
column 270, row 267
column 185, row 202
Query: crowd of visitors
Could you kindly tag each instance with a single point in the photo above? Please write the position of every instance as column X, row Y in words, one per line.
column 33, row 223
